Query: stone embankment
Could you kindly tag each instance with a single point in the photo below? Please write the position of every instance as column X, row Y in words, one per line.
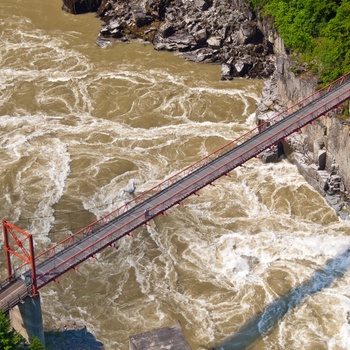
column 229, row 33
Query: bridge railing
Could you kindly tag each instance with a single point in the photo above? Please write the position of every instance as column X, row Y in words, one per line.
column 5, row 283
column 15, row 298
column 80, row 234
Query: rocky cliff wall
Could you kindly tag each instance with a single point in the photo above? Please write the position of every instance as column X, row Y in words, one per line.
column 322, row 150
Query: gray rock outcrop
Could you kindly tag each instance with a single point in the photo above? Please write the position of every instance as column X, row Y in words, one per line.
column 212, row 31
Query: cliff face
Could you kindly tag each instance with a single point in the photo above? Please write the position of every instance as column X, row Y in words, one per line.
column 321, row 150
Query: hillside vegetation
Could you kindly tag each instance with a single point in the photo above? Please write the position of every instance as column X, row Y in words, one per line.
column 317, row 30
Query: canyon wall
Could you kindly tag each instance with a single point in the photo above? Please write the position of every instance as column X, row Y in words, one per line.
column 321, row 151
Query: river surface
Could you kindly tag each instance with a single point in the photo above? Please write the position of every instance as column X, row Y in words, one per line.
column 258, row 261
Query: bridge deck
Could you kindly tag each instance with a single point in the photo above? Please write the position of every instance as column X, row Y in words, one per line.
column 125, row 223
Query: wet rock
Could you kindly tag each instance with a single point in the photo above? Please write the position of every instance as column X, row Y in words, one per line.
column 199, row 55
column 338, row 207
column 269, row 156
column 226, row 72
column 114, row 29
column 241, row 68
column 332, row 200
column 131, row 187
column 181, row 41
column 103, row 42
column 344, row 215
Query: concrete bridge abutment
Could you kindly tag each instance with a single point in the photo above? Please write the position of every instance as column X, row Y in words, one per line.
column 26, row 318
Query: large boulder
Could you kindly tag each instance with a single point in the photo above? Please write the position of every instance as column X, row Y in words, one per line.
column 180, row 41
column 203, row 4
column 247, row 32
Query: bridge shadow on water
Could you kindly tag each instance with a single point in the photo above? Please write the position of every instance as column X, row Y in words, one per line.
column 273, row 313
column 72, row 339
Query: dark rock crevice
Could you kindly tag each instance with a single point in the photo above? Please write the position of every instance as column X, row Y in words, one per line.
column 81, row 6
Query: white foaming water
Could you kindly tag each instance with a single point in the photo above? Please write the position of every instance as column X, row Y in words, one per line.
column 35, row 168
column 260, row 257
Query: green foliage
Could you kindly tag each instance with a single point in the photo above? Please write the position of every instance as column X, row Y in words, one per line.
column 300, row 21
column 9, row 339
column 36, row 345
column 317, row 29
column 333, row 49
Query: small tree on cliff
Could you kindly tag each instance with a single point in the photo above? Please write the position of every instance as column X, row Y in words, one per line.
column 36, row 345
column 9, row 339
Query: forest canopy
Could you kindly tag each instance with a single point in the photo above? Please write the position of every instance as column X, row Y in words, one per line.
column 317, row 30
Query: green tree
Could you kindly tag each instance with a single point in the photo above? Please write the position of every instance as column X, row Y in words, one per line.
column 300, row 21
column 319, row 31
column 333, row 49
column 9, row 339
column 36, row 345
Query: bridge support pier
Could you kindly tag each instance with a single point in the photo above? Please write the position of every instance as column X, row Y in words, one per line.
column 26, row 318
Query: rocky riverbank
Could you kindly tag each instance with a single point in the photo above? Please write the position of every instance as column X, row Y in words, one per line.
column 208, row 31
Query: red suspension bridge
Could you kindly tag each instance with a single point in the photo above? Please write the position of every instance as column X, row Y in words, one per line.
column 47, row 266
